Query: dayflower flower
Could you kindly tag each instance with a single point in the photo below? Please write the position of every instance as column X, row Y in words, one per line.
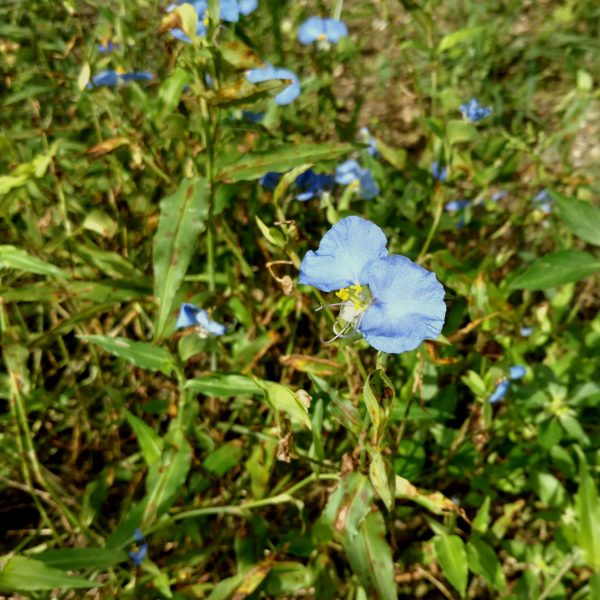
column 112, row 77
column 526, row 331
column 472, row 111
column 268, row 73
column 191, row 315
column 317, row 29
column 140, row 549
column 456, row 205
column 439, row 171
column 270, row 180
column 367, row 138
column 543, row 200
column 351, row 173
column 106, row 46
column 391, row 301
column 312, row 184
column 514, row 373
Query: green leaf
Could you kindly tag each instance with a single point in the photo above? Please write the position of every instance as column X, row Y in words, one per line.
column 282, row 398
column 450, row 553
column 224, row 385
column 461, row 131
column 482, row 518
column 239, row 55
column 15, row 258
column 555, row 269
column 254, row 165
column 458, row 37
column 383, row 479
column 588, row 511
column 150, row 442
column 21, row 574
column 171, row 89
column 188, row 19
column 141, row 354
column 395, row 156
column 165, row 481
column 72, row 559
column 347, row 506
column 483, row 561
column 182, row 219
column 582, row 218
column 370, row 557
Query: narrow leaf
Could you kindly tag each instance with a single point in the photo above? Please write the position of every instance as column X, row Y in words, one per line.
column 150, row 442
column 224, row 385
column 72, row 559
column 555, row 269
column 141, row 354
column 450, row 553
column 16, row 258
column 182, row 218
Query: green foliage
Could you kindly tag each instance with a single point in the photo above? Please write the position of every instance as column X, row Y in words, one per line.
column 285, row 458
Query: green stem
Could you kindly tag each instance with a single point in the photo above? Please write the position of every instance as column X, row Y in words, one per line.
column 437, row 215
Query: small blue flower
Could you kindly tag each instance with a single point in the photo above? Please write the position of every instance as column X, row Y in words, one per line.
column 268, row 73
column 253, row 117
column 526, row 331
column 140, row 549
column 351, row 173
column 312, row 184
column 517, row 372
column 247, row 6
column 106, row 46
column 472, row 111
column 499, row 392
column 318, row 29
column 270, row 180
column 403, row 303
column 111, row 77
column 499, row 195
column 367, row 138
column 191, row 315
column 543, row 200
column 439, row 171
column 456, row 205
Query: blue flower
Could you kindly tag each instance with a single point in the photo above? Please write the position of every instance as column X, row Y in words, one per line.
column 499, row 195
column 247, row 6
column 543, row 200
column 106, row 46
column 319, row 29
column 499, row 392
column 439, row 171
column 268, row 73
column 391, row 301
column 140, row 549
column 270, row 180
column 351, row 173
column 526, row 331
column 111, row 77
column 191, row 315
column 517, row 372
column 312, row 184
column 367, row 138
column 472, row 111
column 456, row 205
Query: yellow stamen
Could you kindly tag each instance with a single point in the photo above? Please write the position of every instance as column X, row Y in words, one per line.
column 322, row 37
column 206, row 21
column 343, row 294
column 357, row 288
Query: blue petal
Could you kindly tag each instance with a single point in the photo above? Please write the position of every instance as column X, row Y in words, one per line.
column 310, row 30
column 473, row 111
column 137, row 76
column 105, row 78
column 137, row 535
column 344, row 252
column 517, row 372
column 179, row 35
column 456, row 205
column 187, row 316
column 138, row 556
column 290, row 93
column 347, row 172
column 248, row 6
column 270, row 180
column 368, row 188
column 264, row 74
column 408, row 307
column 439, row 171
column 268, row 73
column 499, row 392
column 335, row 30
column 526, row 331
column 230, row 11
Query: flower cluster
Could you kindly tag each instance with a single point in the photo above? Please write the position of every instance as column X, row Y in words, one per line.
column 472, row 111
column 391, row 301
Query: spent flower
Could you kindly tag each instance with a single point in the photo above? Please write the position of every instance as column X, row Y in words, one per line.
column 391, row 301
